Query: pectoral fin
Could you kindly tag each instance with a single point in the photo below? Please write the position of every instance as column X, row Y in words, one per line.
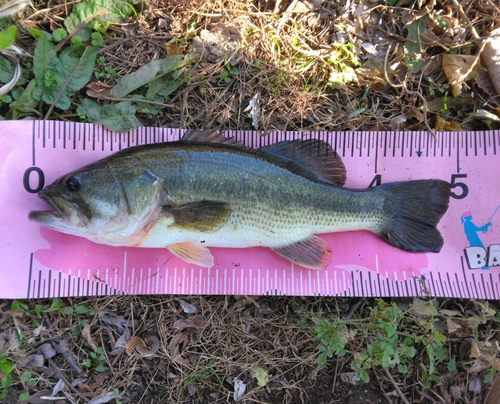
column 202, row 216
column 193, row 254
column 312, row 253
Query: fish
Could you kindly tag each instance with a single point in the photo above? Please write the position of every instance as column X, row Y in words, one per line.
column 207, row 190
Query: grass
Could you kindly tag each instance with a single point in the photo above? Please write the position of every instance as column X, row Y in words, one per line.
column 329, row 66
column 280, row 348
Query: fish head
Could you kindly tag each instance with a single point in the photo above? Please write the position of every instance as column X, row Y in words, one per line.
column 101, row 202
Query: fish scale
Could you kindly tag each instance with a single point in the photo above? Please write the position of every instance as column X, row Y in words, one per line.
column 265, row 203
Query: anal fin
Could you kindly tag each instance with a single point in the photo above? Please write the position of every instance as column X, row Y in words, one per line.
column 312, row 252
column 193, row 254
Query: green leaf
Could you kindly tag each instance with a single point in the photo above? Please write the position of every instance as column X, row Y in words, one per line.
column 111, row 11
column 59, row 78
column 25, row 375
column 6, row 366
column 143, row 107
column 17, row 305
column 415, row 31
column 100, row 368
column 55, row 305
column 80, row 309
column 36, row 33
column 59, row 34
column 414, row 45
column 146, row 74
column 67, row 310
column 424, row 307
column 8, row 36
column 97, row 39
column 24, row 396
column 119, row 117
column 257, row 372
column 44, row 59
column 161, row 86
column 27, row 102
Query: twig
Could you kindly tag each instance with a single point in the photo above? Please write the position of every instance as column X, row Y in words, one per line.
column 61, row 91
column 66, row 381
column 103, row 97
column 131, row 38
column 353, row 309
column 286, row 15
column 401, row 395
column 55, row 342
column 411, row 92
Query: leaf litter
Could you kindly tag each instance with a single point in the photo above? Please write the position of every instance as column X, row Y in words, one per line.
column 298, row 65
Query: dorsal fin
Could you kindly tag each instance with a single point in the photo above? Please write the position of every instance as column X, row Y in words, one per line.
column 316, row 156
column 210, row 136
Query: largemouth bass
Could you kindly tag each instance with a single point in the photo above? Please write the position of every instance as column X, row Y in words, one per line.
column 207, row 190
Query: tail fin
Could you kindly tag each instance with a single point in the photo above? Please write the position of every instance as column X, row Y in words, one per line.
column 412, row 209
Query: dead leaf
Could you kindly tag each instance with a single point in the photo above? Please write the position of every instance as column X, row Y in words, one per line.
column 187, row 307
column 121, row 343
column 491, row 58
column 484, row 349
column 39, row 330
column 87, row 336
column 415, row 113
column 177, row 343
column 348, row 377
column 458, row 69
column 98, row 90
column 58, row 387
column 133, row 343
column 445, row 126
column 60, row 345
column 105, row 398
column 47, row 350
column 239, row 389
column 456, row 392
column 424, row 308
column 192, row 389
column 174, row 47
column 305, row 6
column 493, row 395
column 150, row 347
column 483, row 80
column 33, row 361
column 475, row 385
column 196, row 322
column 452, row 325
column 120, row 322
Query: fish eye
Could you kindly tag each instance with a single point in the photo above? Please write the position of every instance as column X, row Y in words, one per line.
column 73, row 183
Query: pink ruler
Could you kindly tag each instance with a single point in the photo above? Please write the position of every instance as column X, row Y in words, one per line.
column 36, row 262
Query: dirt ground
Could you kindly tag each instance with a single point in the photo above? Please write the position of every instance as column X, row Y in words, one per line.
column 311, row 65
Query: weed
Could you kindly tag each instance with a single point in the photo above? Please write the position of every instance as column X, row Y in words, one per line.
column 6, row 368
column 96, row 360
column 106, row 71
column 227, row 72
column 197, row 377
column 392, row 334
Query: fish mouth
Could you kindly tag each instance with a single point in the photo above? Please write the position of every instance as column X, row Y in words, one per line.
column 63, row 211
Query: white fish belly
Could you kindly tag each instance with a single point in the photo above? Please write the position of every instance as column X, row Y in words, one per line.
column 233, row 235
